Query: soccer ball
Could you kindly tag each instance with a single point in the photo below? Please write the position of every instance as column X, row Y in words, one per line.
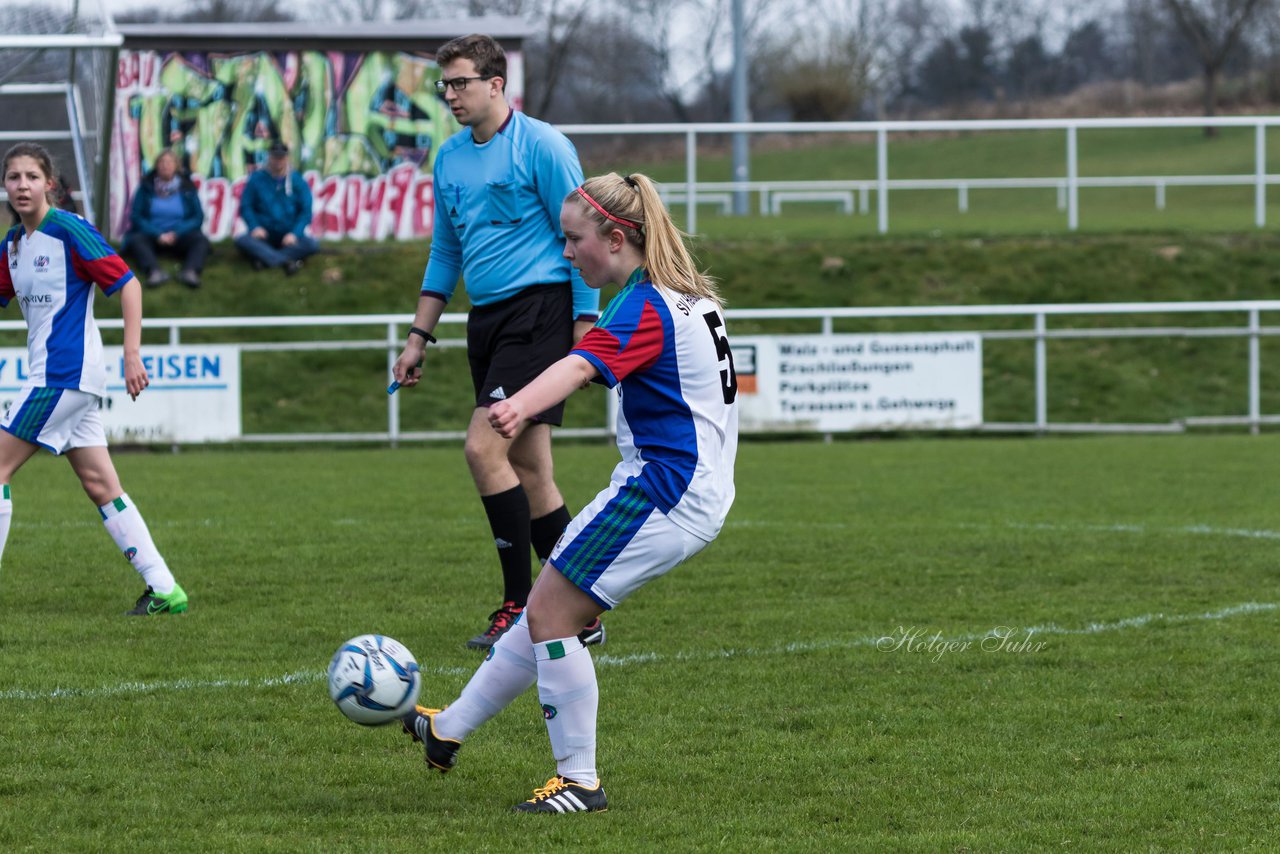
column 374, row 680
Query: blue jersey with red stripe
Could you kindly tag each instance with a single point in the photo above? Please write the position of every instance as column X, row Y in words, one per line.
column 667, row 355
column 52, row 272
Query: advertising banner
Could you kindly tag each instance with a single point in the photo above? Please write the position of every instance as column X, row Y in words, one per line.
column 194, row 394
column 927, row 381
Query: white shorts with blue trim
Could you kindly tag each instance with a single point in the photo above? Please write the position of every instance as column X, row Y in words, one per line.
column 57, row 419
column 620, row 541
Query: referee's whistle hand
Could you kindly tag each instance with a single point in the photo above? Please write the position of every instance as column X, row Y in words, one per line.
column 406, row 369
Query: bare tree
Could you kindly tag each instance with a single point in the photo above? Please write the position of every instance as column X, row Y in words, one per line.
column 828, row 81
column 139, row 15
column 693, row 41
column 559, row 25
column 562, row 22
column 864, row 30
column 228, row 11
column 358, row 10
column 1213, row 27
column 685, row 35
column 913, row 27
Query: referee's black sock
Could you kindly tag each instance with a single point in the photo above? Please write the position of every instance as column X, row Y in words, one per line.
column 508, row 514
column 545, row 531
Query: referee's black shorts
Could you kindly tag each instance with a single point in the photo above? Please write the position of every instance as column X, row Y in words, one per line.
column 512, row 341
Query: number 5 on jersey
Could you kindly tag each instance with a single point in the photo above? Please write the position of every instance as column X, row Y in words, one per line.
column 728, row 377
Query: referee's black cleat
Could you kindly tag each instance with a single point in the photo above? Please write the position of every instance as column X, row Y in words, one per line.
column 592, row 633
column 563, row 795
column 500, row 622
column 441, row 753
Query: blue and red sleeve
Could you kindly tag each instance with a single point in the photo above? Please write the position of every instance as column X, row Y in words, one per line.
column 627, row 340
column 92, row 257
column 109, row 272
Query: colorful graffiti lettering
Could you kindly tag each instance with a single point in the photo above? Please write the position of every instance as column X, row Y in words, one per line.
column 362, row 127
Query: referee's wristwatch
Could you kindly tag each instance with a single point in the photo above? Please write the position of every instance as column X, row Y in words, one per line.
column 426, row 336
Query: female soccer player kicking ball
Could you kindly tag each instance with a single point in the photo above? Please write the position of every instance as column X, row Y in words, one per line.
column 662, row 343
column 50, row 261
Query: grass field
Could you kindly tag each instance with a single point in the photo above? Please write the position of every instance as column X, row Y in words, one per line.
column 748, row 702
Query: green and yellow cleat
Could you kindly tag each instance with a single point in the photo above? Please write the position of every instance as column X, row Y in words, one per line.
column 151, row 603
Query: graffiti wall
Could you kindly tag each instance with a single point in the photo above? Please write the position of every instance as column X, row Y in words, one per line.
column 362, row 127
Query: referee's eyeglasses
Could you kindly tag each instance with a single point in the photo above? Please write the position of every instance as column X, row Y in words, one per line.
column 457, row 84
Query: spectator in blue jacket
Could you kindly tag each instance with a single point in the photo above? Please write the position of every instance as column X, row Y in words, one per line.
column 166, row 217
column 276, row 209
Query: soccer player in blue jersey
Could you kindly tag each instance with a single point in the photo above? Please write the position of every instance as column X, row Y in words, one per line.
column 50, row 262
column 498, row 187
column 661, row 343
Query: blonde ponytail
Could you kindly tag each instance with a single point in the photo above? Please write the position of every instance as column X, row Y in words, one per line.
column 634, row 200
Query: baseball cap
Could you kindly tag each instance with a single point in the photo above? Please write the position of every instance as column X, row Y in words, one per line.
column 278, row 149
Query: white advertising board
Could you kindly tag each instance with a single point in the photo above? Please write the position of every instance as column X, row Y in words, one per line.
column 926, row 381
column 194, row 394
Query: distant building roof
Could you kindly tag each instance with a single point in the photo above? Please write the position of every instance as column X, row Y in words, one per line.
column 425, row 35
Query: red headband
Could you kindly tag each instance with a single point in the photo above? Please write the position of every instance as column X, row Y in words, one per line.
column 619, row 220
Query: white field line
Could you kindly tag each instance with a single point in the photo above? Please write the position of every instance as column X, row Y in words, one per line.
column 97, row 523
column 1204, row 530
column 642, row 658
column 299, row 677
column 779, row 523
column 1257, row 534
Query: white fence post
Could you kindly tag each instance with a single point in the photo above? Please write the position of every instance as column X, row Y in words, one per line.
column 882, row 179
column 1255, row 372
column 1073, row 181
column 1042, row 376
column 691, row 180
column 1260, row 175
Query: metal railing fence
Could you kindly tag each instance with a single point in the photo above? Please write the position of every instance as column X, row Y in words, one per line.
column 393, row 328
column 1070, row 181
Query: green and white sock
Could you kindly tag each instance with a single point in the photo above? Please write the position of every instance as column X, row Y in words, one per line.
column 506, row 673
column 569, row 694
column 6, row 516
column 125, row 525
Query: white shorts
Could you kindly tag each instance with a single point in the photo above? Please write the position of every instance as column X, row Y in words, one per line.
column 57, row 419
column 618, row 542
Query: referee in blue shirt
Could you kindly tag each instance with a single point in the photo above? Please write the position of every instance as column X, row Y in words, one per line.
column 499, row 184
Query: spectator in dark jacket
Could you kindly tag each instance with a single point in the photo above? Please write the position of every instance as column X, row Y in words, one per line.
column 166, row 217
column 276, row 209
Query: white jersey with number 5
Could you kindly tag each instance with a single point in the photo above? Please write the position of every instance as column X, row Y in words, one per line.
column 668, row 356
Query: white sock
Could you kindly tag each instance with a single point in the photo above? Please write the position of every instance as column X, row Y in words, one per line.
column 569, row 694
column 507, row 672
column 125, row 525
column 6, row 516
